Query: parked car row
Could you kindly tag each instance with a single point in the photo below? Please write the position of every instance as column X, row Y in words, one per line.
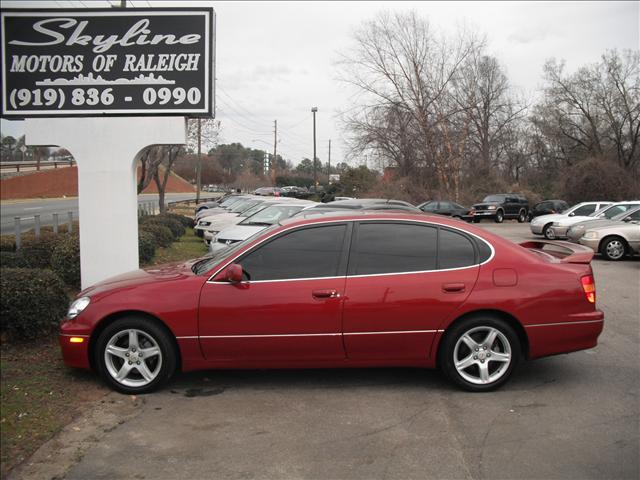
column 608, row 228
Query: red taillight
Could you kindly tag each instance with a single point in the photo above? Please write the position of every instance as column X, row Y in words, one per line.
column 589, row 287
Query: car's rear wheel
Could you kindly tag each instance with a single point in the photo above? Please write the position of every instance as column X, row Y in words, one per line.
column 480, row 353
column 547, row 231
column 499, row 216
column 522, row 216
column 135, row 355
column 613, row 248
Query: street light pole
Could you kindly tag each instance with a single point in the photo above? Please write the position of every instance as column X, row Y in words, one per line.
column 315, row 172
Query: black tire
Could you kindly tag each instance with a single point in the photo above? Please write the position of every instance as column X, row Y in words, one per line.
column 613, row 248
column 522, row 216
column 477, row 325
column 546, row 234
column 499, row 218
column 147, row 330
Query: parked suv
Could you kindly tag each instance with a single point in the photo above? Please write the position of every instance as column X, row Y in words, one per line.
column 501, row 206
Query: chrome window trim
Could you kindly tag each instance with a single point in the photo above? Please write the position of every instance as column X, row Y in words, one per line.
column 431, row 223
column 72, row 335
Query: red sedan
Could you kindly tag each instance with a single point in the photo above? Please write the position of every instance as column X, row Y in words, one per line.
column 364, row 289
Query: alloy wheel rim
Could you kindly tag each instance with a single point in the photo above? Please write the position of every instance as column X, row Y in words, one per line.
column 482, row 355
column 615, row 249
column 133, row 358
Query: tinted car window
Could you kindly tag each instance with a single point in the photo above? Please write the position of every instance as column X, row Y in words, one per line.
column 307, row 253
column 455, row 250
column 635, row 216
column 394, row 247
column 430, row 207
column 613, row 211
column 585, row 210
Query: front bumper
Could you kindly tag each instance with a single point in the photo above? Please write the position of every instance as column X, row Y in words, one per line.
column 536, row 228
column 592, row 243
column 74, row 354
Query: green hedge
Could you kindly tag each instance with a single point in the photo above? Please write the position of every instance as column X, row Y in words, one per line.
column 12, row 260
column 147, row 245
column 177, row 229
column 7, row 243
column 32, row 302
column 65, row 259
column 186, row 222
column 161, row 235
column 37, row 251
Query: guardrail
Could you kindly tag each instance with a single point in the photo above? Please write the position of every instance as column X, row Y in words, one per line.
column 11, row 166
column 145, row 208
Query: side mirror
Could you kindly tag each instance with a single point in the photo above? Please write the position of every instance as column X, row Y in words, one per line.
column 233, row 274
column 627, row 219
column 572, row 214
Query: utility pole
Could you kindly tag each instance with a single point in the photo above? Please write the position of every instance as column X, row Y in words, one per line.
column 274, row 164
column 199, row 162
column 315, row 172
column 329, row 172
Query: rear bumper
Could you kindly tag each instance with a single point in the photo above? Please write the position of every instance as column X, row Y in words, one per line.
column 576, row 332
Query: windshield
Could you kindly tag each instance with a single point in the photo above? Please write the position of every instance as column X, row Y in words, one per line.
column 206, row 263
column 253, row 210
column 273, row 214
column 230, row 201
column 241, row 207
column 493, row 198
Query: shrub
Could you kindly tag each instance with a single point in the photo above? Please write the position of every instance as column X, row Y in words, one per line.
column 160, row 234
column 65, row 259
column 175, row 226
column 32, row 302
column 186, row 222
column 597, row 179
column 147, row 245
column 37, row 251
column 7, row 243
column 12, row 260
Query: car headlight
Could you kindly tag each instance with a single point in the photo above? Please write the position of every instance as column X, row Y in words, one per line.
column 78, row 306
column 591, row 235
column 491, row 207
column 204, row 224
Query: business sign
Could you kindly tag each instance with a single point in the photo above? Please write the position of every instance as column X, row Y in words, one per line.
column 98, row 62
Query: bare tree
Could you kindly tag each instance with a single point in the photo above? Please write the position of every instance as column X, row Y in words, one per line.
column 399, row 63
column 169, row 154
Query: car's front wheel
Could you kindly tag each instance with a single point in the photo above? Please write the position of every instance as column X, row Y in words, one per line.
column 499, row 218
column 613, row 248
column 135, row 355
column 547, row 231
column 480, row 353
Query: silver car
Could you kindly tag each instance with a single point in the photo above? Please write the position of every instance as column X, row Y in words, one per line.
column 615, row 240
column 541, row 225
column 576, row 232
column 559, row 228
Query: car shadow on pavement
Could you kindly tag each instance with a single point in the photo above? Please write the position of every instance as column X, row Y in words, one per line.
column 215, row 382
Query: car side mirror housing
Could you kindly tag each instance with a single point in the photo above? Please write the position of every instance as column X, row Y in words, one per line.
column 572, row 214
column 233, row 274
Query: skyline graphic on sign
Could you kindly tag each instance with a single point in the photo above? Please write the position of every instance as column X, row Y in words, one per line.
column 89, row 79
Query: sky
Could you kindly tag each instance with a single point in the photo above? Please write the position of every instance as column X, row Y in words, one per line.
column 277, row 60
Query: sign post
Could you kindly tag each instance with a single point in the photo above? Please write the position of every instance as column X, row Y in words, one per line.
column 106, row 84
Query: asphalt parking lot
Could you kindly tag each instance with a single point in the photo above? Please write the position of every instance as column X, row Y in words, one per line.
column 569, row 416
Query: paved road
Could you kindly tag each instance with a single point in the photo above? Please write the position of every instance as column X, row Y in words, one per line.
column 46, row 207
column 571, row 416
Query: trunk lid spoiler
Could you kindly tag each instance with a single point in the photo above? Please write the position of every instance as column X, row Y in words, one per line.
column 564, row 252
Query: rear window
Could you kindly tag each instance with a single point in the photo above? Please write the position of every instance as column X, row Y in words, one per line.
column 455, row 250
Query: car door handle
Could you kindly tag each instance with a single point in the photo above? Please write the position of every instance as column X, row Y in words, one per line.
column 325, row 294
column 453, row 287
